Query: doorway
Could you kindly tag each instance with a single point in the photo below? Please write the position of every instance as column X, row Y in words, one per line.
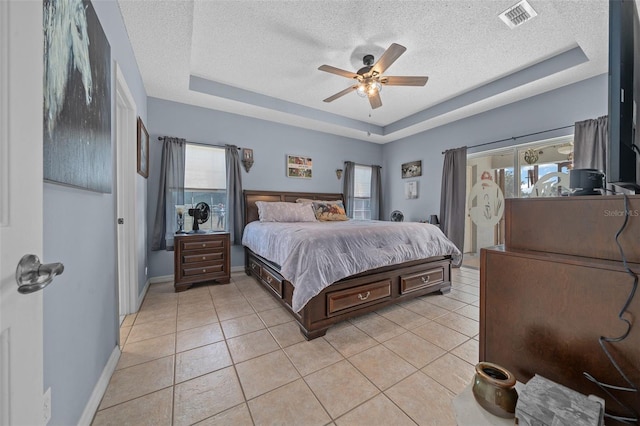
column 538, row 169
column 126, row 155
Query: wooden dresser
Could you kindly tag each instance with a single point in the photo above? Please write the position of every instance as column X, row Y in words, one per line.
column 556, row 286
column 200, row 258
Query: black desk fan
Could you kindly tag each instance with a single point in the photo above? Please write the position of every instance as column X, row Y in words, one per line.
column 200, row 215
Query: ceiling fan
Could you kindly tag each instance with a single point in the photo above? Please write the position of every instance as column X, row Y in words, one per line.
column 370, row 79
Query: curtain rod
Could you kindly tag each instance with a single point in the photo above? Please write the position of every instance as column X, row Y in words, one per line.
column 518, row 137
column 366, row 165
column 199, row 143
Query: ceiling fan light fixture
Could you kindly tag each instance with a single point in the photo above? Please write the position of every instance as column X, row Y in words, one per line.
column 370, row 78
column 368, row 88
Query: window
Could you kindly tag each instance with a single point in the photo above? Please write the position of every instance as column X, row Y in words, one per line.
column 205, row 180
column 362, row 192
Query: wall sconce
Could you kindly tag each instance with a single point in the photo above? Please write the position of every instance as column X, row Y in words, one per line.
column 339, row 173
column 247, row 158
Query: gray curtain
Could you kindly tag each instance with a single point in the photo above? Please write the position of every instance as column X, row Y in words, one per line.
column 347, row 190
column 170, row 193
column 590, row 141
column 453, row 196
column 235, row 201
column 376, row 193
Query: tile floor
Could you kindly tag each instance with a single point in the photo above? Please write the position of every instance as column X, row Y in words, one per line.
column 230, row 355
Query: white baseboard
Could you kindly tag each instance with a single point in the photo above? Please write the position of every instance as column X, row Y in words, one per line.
column 165, row 278
column 98, row 391
column 141, row 295
column 160, row 279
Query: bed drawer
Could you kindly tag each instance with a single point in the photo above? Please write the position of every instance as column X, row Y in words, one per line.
column 255, row 267
column 274, row 282
column 344, row 299
column 409, row 283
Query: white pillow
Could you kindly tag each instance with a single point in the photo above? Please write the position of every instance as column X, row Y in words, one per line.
column 285, row 212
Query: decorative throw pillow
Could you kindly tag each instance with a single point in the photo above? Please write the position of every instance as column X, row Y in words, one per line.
column 284, row 212
column 330, row 211
column 310, row 201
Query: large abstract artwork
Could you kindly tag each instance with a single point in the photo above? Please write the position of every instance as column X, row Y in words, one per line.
column 77, row 97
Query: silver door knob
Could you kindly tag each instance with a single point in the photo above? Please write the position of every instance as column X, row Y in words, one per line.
column 32, row 276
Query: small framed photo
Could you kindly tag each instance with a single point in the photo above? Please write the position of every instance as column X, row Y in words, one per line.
column 411, row 190
column 299, row 167
column 412, row 169
column 143, row 149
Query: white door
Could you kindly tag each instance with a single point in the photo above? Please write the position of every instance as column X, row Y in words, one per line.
column 21, row 357
column 125, row 188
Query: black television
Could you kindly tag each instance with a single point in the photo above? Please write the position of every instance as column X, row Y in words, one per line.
column 624, row 93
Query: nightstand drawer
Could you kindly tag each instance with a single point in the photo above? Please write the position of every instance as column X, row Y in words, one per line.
column 202, row 245
column 204, row 269
column 421, row 280
column 204, row 257
column 358, row 296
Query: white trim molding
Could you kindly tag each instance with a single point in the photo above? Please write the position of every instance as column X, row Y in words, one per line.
column 91, row 408
column 161, row 279
column 141, row 296
column 4, row 113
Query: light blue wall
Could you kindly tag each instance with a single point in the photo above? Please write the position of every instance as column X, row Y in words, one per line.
column 558, row 108
column 270, row 143
column 81, row 307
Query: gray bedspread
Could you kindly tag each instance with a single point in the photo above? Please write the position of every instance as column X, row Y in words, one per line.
column 313, row 255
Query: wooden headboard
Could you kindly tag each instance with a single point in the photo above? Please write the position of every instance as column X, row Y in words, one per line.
column 250, row 198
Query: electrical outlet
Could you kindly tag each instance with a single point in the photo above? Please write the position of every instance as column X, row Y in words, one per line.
column 46, row 406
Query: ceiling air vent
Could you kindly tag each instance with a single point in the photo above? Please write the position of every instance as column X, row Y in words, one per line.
column 518, row 14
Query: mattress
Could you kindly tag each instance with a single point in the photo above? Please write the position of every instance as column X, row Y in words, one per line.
column 313, row 255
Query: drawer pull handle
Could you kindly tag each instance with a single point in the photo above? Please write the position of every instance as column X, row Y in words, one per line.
column 204, row 270
column 254, row 266
column 365, row 297
column 269, row 279
column 204, row 257
column 426, row 279
column 204, row 244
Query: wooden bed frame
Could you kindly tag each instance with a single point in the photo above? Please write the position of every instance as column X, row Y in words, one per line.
column 352, row 296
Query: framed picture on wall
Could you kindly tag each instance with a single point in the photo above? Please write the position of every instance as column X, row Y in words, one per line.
column 411, row 190
column 299, row 167
column 143, row 149
column 412, row 169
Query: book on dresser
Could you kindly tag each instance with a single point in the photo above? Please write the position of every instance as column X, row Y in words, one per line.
column 200, row 258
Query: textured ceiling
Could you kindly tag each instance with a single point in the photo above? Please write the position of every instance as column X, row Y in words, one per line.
column 260, row 58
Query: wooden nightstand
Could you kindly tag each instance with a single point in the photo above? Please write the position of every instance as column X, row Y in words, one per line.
column 201, row 257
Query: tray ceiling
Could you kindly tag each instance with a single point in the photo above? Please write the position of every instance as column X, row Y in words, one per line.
column 260, row 58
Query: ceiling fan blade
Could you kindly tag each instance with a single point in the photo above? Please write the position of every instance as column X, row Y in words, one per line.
column 388, row 57
column 334, row 70
column 404, row 81
column 375, row 100
column 340, row 94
